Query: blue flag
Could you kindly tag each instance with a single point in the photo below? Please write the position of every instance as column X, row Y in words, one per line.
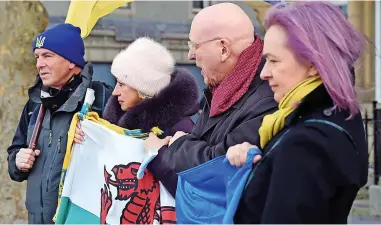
column 210, row 192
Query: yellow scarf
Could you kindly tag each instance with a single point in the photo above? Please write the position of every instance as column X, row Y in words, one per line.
column 274, row 123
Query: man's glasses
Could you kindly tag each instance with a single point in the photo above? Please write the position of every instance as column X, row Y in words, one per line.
column 197, row 45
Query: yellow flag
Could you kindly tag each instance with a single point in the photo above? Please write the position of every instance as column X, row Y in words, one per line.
column 85, row 13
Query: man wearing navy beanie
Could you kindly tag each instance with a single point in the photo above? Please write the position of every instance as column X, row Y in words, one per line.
column 58, row 51
column 65, row 40
column 60, row 88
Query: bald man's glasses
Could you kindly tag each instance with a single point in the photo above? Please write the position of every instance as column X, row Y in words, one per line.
column 195, row 46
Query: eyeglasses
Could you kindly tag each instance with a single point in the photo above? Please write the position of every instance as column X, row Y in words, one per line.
column 197, row 45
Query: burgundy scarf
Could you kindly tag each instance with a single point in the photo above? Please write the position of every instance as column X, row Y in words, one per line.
column 236, row 84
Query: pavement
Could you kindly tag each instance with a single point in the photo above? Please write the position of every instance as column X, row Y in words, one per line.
column 360, row 213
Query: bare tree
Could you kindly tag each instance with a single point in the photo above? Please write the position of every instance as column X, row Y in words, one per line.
column 20, row 22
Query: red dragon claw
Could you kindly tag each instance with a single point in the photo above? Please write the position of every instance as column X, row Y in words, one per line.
column 107, row 177
column 106, row 202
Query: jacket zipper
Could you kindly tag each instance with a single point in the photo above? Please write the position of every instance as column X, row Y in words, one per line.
column 52, row 164
column 59, row 145
column 50, row 137
column 41, row 194
column 42, row 172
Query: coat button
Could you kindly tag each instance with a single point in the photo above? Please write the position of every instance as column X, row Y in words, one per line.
column 327, row 112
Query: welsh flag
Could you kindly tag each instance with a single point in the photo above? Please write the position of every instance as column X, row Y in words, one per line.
column 101, row 181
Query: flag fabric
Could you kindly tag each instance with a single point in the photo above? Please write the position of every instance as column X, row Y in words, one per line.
column 99, row 181
column 210, row 192
column 85, row 14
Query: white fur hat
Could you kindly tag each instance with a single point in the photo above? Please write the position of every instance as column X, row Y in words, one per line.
column 144, row 65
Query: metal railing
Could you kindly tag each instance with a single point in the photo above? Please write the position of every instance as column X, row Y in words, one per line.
column 375, row 142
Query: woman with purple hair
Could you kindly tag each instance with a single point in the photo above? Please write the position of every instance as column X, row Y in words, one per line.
column 315, row 155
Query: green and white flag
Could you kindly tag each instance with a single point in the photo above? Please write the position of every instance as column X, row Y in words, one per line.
column 101, row 185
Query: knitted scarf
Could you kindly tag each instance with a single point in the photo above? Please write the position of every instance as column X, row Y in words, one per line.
column 236, row 84
column 273, row 123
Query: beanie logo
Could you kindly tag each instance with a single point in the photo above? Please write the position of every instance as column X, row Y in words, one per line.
column 40, row 42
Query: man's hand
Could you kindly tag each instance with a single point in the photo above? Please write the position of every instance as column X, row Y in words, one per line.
column 178, row 135
column 25, row 159
column 237, row 154
column 153, row 142
column 79, row 135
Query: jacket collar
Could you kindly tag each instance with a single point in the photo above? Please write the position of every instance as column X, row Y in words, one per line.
column 317, row 100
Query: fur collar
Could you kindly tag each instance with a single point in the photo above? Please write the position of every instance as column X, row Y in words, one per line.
column 173, row 103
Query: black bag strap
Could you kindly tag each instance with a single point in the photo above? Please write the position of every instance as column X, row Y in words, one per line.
column 334, row 125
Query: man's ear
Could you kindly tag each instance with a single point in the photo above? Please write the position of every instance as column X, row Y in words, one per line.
column 71, row 66
column 225, row 49
column 74, row 69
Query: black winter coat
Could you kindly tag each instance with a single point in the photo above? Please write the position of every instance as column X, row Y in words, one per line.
column 311, row 171
column 212, row 137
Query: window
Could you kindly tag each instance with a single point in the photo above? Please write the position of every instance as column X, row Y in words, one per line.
column 126, row 6
column 344, row 9
column 198, row 5
column 127, row 10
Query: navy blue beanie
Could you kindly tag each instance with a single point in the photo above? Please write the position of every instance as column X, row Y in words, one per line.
column 64, row 40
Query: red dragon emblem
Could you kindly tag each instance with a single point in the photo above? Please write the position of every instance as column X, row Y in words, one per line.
column 143, row 196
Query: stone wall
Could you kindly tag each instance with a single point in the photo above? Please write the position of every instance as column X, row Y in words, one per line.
column 102, row 46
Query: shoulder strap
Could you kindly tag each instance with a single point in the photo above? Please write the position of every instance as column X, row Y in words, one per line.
column 334, row 125
column 265, row 155
column 102, row 93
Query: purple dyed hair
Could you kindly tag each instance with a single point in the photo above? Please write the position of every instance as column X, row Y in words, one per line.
column 319, row 34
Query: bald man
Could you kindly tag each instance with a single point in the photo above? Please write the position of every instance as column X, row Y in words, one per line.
column 218, row 36
column 225, row 47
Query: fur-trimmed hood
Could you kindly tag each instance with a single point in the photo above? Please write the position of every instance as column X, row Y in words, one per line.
column 173, row 103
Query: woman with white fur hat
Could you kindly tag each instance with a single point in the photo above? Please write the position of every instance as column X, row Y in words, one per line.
column 149, row 93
